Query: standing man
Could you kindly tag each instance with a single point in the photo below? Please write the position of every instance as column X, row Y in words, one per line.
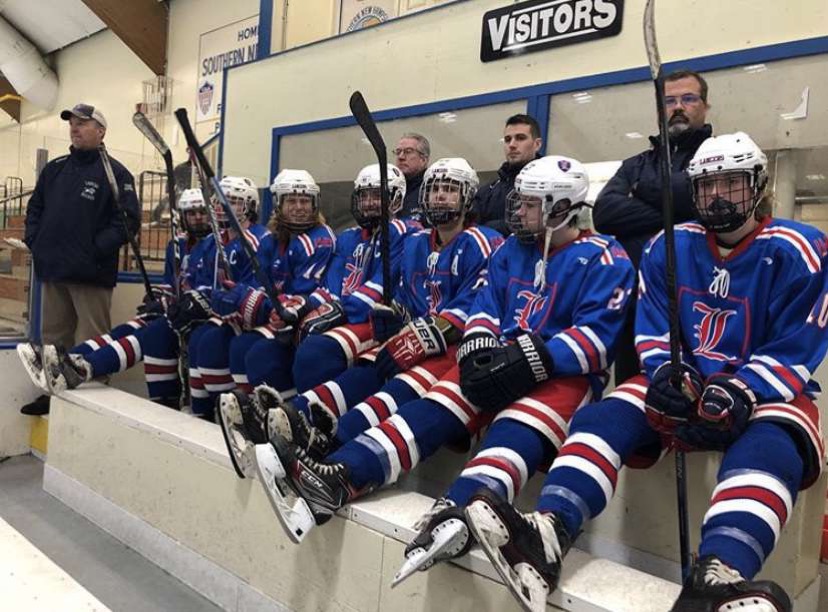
column 629, row 207
column 521, row 144
column 75, row 229
column 412, row 154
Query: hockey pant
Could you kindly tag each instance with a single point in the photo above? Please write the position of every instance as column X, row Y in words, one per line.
column 257, row 358
column 324, row 357
column 359, row 398
column 779, row 453
column 521, row 437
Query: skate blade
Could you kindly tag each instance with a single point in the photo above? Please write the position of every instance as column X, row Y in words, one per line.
column 532, row 597
column 421, row 559
column 242, row 458
column 293, row 512
column 29, row 357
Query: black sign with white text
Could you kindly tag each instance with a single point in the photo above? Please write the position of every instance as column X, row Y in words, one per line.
column 542, row 24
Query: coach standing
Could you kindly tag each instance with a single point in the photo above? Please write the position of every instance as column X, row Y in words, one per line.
column 74, row 229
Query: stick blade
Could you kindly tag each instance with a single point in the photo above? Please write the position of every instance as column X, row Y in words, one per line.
column 650, row 41
column 359, row 109
column 146, row 127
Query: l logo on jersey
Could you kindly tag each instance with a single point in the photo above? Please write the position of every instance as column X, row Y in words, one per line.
column 710, row 331
column 434, row 297
column 534, row 304
column 353, row 280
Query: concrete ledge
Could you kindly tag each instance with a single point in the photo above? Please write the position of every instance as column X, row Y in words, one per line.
column 161, row 482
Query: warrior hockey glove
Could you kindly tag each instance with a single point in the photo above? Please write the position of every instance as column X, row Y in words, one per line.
column 326, row 317
column 668, row 407
column 493, row 379
column 726, row 407
column 388, row 321
column 192, row 309
column 295, row 307
column 474, row 344
column 420, row 339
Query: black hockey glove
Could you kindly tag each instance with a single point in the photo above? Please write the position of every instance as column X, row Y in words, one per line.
column 326, row 317
column 388, row 321
column 726, row 407
column 156, row 304
column 668, row 407
column 494, row 378
column 475, row 344
column 193, row 308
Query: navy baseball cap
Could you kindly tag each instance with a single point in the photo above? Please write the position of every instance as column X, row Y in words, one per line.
column 84, row 111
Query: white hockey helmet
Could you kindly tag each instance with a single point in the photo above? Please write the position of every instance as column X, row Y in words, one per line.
column 723, row 205
column 295, row 182
column 447, row 174
column 192, row 200
column 560, row 183
column 243, row 197
column 365, row 200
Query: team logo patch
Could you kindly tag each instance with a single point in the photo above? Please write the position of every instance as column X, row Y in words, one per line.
column 205, row 97
column 564, row 165
column 534, row 304
column 710, row 331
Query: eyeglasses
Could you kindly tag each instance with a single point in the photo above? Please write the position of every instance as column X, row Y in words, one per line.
column 687, row 99
column 406, row 152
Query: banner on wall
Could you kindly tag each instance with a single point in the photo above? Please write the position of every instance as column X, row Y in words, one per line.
column 358, row 14
column 218, row 49
column 536, row 25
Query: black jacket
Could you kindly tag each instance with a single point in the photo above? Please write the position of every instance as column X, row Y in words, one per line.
column 411, row 203
column 629, row 206
column 490, row 201
column 72, row 227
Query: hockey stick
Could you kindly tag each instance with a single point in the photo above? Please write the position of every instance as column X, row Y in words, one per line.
column 359, row 109
column 150, row 133
column 654, row 59
column 116, row 199
column 210, row 177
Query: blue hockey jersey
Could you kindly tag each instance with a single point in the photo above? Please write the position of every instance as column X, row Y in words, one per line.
column 186, row 249
column 444, row 282
column 580, row 312
column 203, row 270
column 355, row 273
column 759, row 313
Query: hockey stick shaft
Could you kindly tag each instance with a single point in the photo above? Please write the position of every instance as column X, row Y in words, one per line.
column 665, row 167
column 210, row 176
column 150, row 133
column 116, row 200
column 360, row 111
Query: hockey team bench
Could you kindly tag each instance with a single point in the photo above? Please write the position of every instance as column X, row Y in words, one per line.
column 161, row 482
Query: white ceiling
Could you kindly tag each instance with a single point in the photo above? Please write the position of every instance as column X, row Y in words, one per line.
column 51, row 24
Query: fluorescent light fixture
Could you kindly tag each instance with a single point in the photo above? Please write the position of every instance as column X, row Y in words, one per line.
column 582, row 97
column 634, row 135
column 815, row 177
column 754, row 68
column 447, row 117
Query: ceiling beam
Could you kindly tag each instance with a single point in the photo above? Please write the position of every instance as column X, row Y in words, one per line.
column 141, row 24
column 9, row 99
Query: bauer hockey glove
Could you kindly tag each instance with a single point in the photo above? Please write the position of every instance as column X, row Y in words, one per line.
column 420, row 339
column 388, row 321
column 493, row 379
column 192, row 309
column 155, row 305
column 326, row 317
column 725, row 409
column 668, row 407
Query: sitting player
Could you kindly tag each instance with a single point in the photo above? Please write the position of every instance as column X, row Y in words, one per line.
column 752, row 305
column 54, row 369
column 441, row 269
column 537, row 344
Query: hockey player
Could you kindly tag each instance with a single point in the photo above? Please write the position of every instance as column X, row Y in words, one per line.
column 537, row 344
column 752, row 303
column 336, row 332
column 441, row 270
column 125, row 345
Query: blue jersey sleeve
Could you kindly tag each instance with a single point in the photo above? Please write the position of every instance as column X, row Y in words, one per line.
column 652, row 322
column 588, row 345
column 488, row 306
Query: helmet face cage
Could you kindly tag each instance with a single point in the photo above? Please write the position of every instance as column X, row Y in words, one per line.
column 724, row 201
column 303, row 222
column 191, row 201
column 444, row 199
column 296, row 183
column 241, row 195
column 366, row 201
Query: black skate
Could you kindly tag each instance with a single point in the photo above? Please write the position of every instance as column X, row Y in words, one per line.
column 712, row 586
column 64, row 370
column 443, row 535
column 31, row 355
column 527, row 550
column 295, row 427
column 243, row 424
column 302, row 490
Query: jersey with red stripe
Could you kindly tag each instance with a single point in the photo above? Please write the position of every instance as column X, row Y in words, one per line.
column 185, row 249
column 759, row 313
column 444, row 281
column 204, row 266
column 580, row 311
column 355, row 273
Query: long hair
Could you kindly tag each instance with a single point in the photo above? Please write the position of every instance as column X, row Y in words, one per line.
column 283, row 234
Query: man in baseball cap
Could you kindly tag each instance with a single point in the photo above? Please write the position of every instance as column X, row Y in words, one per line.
column 84, row 111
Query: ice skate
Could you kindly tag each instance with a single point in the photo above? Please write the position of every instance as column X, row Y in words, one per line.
column 527, row 550
column 64, row 370
column 443, row 535
column 243, row 426
column 712, row 586
column 31, row 355
column 295, row 427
